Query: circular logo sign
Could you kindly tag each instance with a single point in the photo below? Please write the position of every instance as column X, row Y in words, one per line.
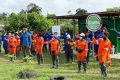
column 93, row 22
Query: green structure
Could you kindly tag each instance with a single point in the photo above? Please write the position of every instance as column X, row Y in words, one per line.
column 109, row 23
column 110, row 20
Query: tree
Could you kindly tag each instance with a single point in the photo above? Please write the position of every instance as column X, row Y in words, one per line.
column 114, row 9
column 34, row 21
column 69, row 12
column 33, row 8
column 81, row 11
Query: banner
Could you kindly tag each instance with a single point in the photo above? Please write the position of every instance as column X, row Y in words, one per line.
column 56, row 29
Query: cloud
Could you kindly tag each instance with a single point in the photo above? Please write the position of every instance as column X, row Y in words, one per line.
column 59, row 7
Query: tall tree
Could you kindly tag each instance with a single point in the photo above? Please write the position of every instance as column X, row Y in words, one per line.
column 80, row 11
column 33, row 8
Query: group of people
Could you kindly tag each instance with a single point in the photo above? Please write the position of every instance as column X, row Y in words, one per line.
column 30, row 42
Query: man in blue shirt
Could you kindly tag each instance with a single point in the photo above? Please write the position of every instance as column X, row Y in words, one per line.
column 5, row 43
column 0, row 42
column 26, row 42
column 45, row 39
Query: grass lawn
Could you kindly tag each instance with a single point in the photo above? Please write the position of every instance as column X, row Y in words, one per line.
column 9, row 71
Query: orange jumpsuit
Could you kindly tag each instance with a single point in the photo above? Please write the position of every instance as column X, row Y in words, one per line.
column 34, row 41
column 12, row 42
column 55, row 46
column 18, row 44
column 103, row 50
column 39, row 45
column 84, row 46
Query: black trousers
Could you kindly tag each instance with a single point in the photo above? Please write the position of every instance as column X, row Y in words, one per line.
column 40, row 58
column 103, row 69
column 69, row 56
column 26, row 51
column 88, row 57
column 80, row 63
column 55, row 59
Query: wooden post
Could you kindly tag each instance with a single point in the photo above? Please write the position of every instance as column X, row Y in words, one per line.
column 74, row 28
column 57, row 22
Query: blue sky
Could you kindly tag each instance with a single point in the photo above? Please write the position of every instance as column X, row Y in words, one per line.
column 59, row 7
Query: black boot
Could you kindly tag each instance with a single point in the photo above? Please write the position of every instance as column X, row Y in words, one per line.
column 79, row 66
column 84, row 66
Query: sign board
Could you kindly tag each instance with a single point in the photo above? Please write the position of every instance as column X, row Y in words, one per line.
column 93, row 22
column 56, row 29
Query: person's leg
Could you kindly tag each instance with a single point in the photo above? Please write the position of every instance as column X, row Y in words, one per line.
column 46, row 48
column 53, row 58
column 88, row 57
column 103, row 70
column 0, row 48
column 57, row 61
column 67, row 56
column 29, row 51
column 84, row 66
column 24, row 50
column 42, row 58
column 38, row 59
column 79, row 66
column 71, row 57
column 5, row 48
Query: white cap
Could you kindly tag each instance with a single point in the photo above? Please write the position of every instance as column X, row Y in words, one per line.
column 68, row 36
column 82, row 34
column 9, row 33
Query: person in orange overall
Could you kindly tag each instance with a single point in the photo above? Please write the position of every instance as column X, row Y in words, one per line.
column 39, row 48
column 17, row 44
column 55, row 49
column 82, row 48
column 103, row 52
column 12, row 43
column 33, row 47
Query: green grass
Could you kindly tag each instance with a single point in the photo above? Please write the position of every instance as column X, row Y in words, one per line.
column 9, row 71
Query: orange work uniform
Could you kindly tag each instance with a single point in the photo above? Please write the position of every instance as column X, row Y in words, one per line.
column 39, row 45
column 81, row 56
column 103, row 49
column 18, row 44
column 55, row 46
column 12, row 42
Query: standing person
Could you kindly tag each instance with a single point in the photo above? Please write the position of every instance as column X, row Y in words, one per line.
column 26, row 42
column 49, row 36
column 45, row 45
column 39, row 48
column 0, row 43
column 69, row 49
column 33, row 47
column 103, row 52
column 17, row 44
column 89, row 46
column 55, row 47
column 82, row 48
column 5, row 43
column 12, row 43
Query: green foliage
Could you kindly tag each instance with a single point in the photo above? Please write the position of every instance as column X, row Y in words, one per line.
column 34, row 21
column 33, row 8
column 114, row 9
column 81, row 11
column 2, row 18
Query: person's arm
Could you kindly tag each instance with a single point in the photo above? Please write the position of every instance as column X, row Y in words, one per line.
column 29, row 39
